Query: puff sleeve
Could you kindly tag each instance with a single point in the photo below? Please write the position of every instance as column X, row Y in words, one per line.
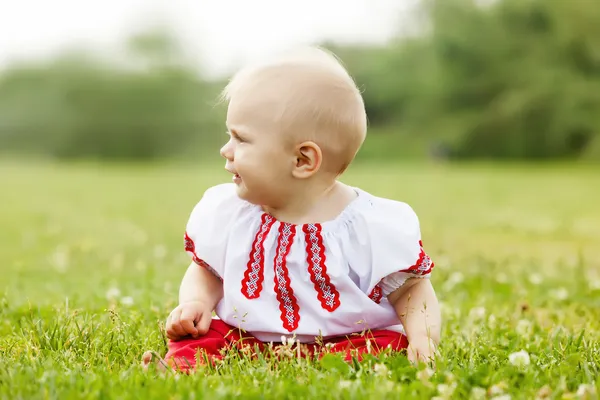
column 207, row 229
column 397, row 250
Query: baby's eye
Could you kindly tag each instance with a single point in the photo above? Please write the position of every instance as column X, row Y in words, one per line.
column 236, row 137
column 231, row 135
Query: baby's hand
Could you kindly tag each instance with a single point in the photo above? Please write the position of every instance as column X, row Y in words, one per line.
column 188, row 319
column 421, row 349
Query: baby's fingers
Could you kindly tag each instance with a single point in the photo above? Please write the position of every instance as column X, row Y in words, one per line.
column 412, row 355
column 204, row 324
column 174, row 329
column 418, row 355
column 426, row 356
column 188, row 321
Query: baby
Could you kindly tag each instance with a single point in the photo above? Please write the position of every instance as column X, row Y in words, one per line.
column 288, row 251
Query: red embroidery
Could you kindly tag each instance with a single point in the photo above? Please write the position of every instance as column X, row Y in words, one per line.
column 424, row 264
column 254, row 275
column 288, row 306
column 190, row 248
column 326, row 292
column 189, row 244
column 376, row 294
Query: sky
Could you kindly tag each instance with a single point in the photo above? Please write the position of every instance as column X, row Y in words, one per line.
column 221, row 34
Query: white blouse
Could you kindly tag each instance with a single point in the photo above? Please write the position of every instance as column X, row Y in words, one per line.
column 310, row 280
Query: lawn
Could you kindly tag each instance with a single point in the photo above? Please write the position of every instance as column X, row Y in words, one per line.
column 91, row 258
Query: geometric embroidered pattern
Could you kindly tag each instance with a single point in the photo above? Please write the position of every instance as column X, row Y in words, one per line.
column 424, row 264
column 190, row 248
column 252, row 282
column 315, row 251
column 327, row 294
column 254, row 275
column 376, row 294
column 290, row 312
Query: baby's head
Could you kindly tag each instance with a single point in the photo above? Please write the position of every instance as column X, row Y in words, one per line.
column 295, row 121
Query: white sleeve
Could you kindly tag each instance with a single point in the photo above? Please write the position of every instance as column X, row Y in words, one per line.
column 207, row 229
column 397, row 249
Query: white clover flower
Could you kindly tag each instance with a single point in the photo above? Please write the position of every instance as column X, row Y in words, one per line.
column 585, row 390
column 478, row 393
column 560, row 294
column 524, row 327
column 535, row 279
column 345, row 384
column 519, row 359
column 381, row 370
column 160, row 251
column 60, row 259
column 502, row 278
column 127, row 301
column 497, row 389
column 477, row 313
column 424, row 374
column 113, row 293
column 595, row 284
column 445, row 390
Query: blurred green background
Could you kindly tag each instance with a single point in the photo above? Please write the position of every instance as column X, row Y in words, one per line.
column 511, row 79
column 103, row 158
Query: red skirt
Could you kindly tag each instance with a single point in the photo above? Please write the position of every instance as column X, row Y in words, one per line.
column 184, row 354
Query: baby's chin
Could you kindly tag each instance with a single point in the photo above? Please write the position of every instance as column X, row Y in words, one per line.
column 242, row 192
column 248, row 196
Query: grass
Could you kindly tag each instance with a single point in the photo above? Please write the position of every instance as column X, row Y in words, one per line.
column 92, row 257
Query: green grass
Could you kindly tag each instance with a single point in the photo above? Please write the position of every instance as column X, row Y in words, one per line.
column 516, row 249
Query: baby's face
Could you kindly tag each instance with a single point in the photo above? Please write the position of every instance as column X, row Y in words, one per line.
column 257, row 153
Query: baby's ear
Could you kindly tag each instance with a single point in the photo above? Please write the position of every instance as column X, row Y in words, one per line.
column 308, row 160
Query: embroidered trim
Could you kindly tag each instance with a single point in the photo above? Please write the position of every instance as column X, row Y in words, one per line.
column 190, row 248
column 290, row 315
column 254, row 275
column 315, row 250
column 424, row 264
column 376, row 294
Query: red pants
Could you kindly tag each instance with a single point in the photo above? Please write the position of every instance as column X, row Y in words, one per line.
column 221, row 336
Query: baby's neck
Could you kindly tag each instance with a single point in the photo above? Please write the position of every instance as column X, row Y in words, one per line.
column 315, row 206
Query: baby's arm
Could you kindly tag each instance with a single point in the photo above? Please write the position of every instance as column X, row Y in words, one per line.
column 201, row 285
column 199, row 293
column 205, row 239
column 418, row 309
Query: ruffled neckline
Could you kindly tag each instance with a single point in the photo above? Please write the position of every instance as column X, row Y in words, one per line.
column 345, row 217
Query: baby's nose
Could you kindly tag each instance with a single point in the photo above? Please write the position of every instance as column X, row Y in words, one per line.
column 227, row 151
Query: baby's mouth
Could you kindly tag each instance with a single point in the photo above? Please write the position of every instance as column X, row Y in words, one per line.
column 236, row 176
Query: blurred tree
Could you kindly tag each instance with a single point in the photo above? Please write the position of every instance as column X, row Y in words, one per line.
column 80, row 106
column 501, row 79
column 491, row 79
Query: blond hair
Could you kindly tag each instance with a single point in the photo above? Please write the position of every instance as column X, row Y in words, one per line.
column 311, row 96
